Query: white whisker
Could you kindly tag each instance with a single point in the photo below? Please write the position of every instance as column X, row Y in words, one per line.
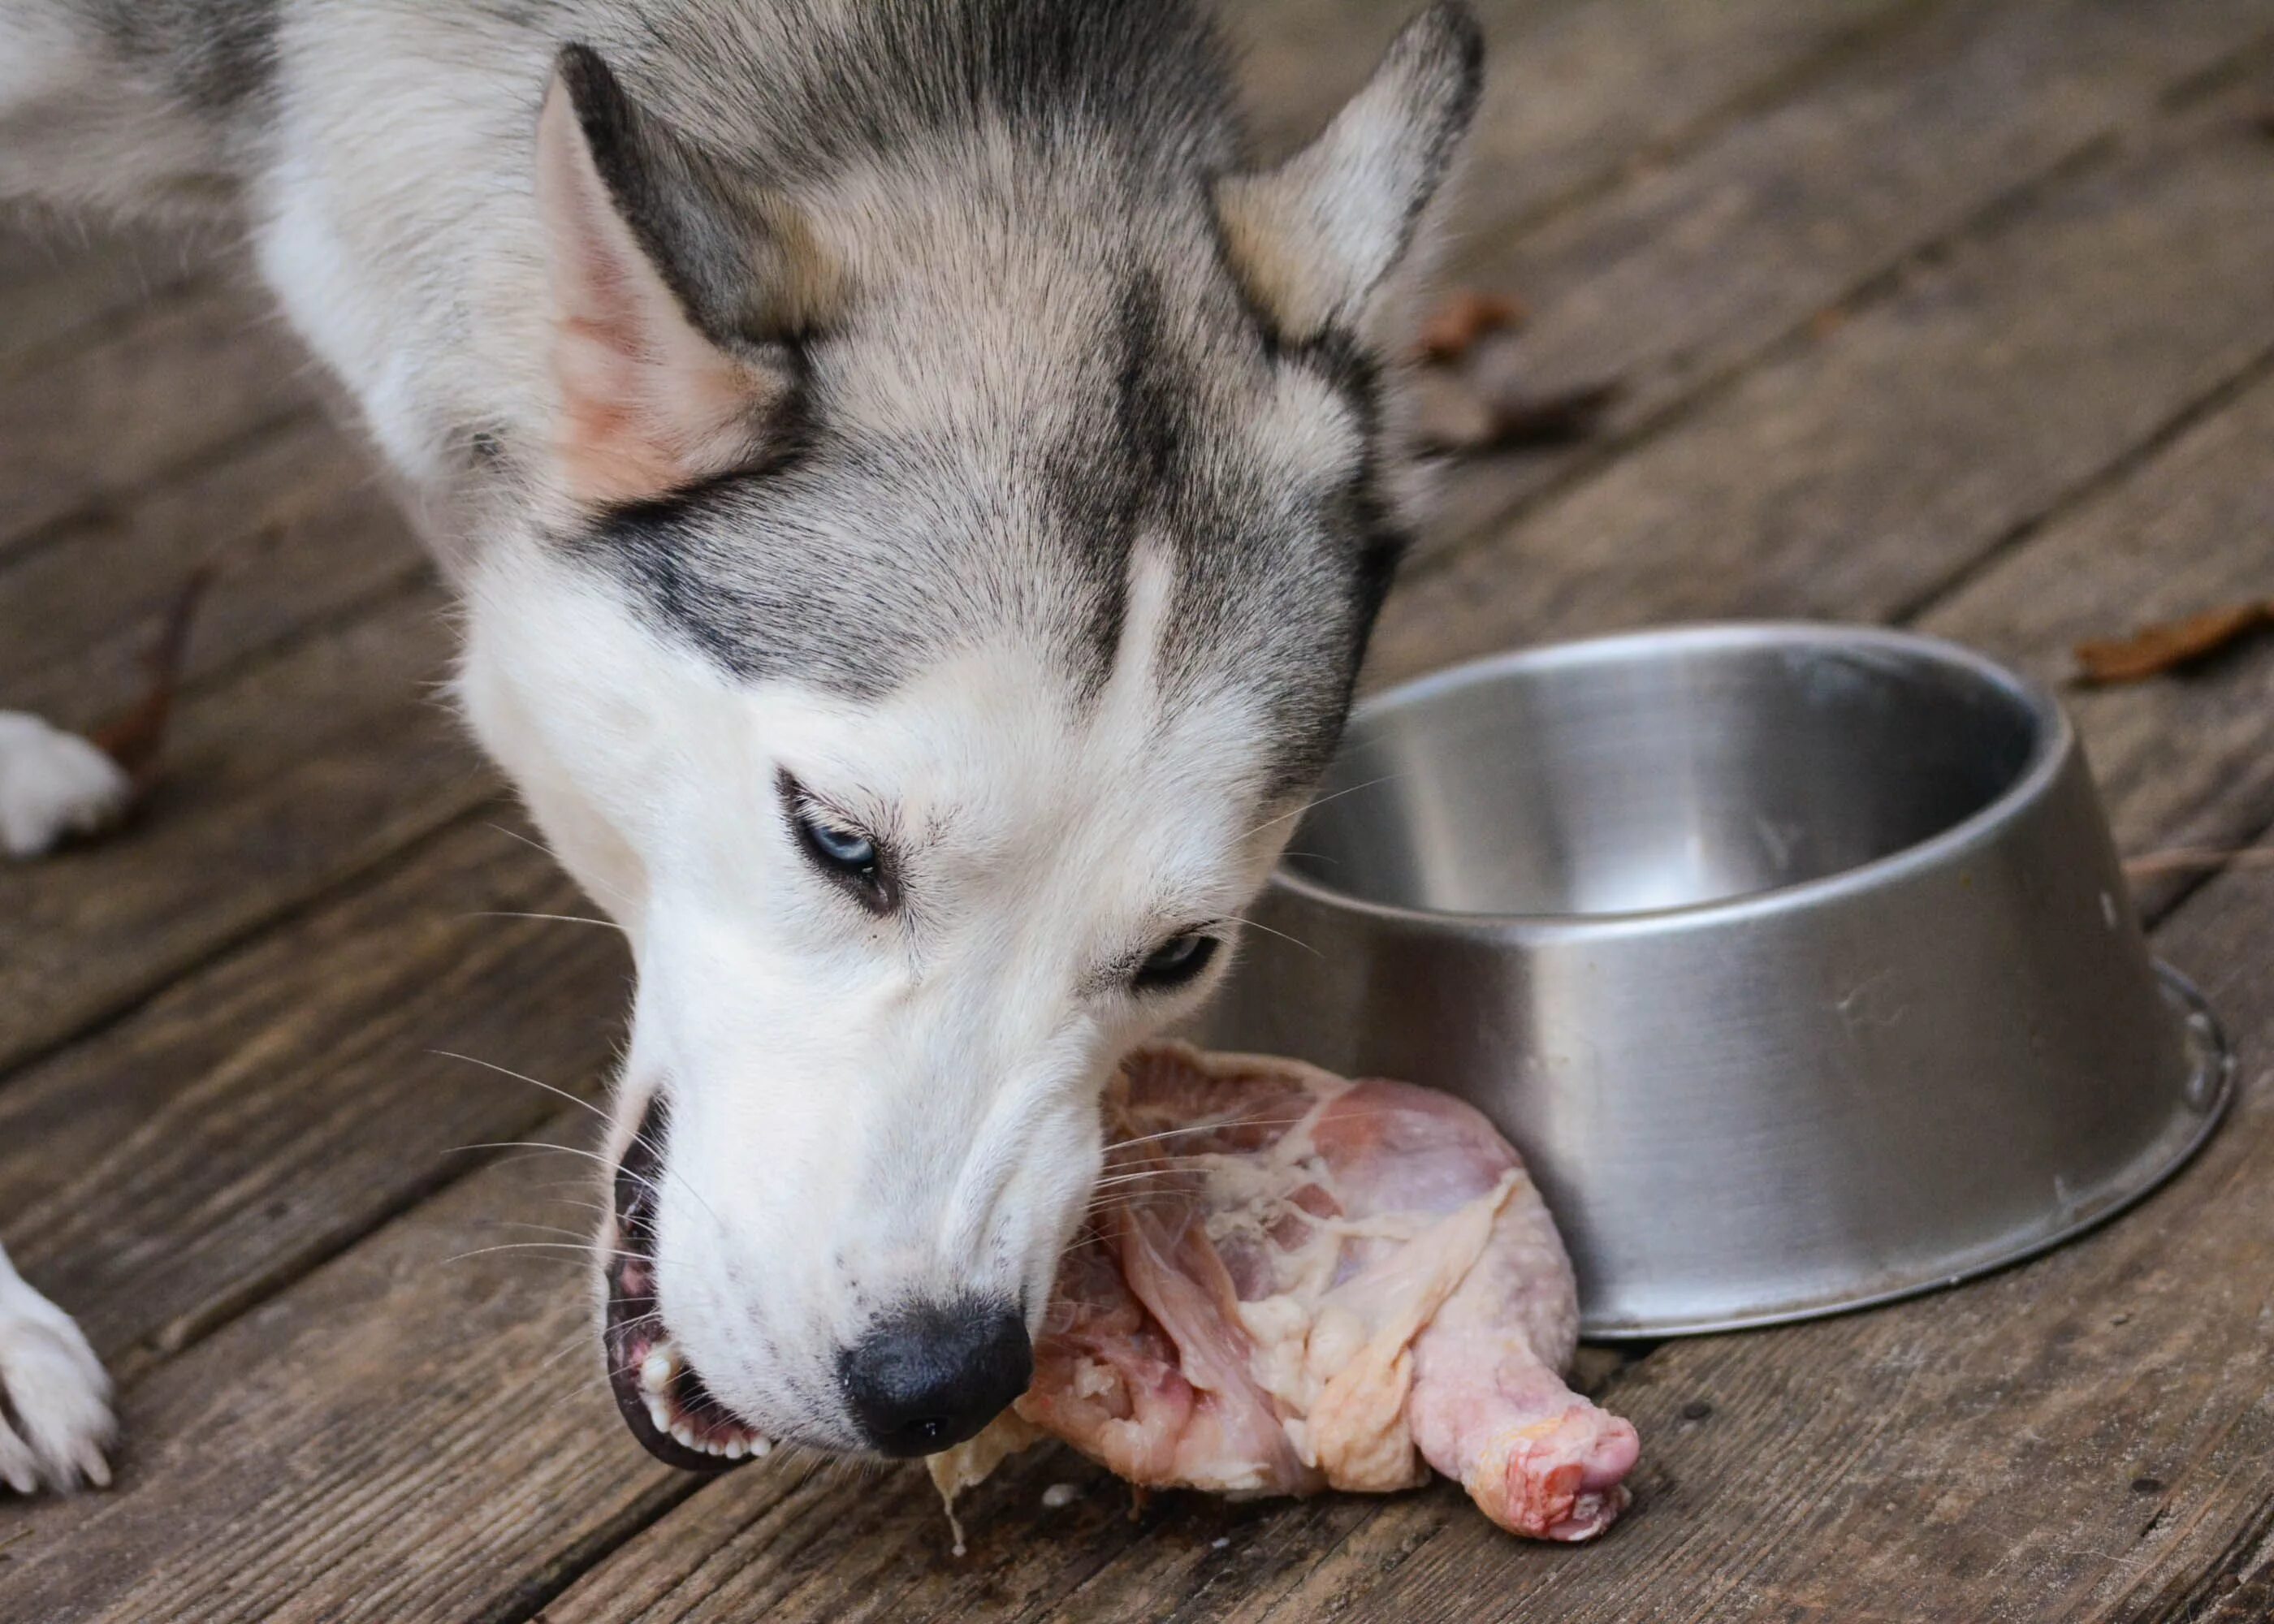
column 1322, row 801
column 1282, row 936
column 519, row 1077
column 564, row 919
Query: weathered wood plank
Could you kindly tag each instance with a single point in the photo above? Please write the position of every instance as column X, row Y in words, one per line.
column 295, row 521
column 268, row 1109
column 60, row 277
column 1857, row 473
column 281, row 782
column 1689, row 272
column 2183, row 762
column 174, row 383
column 396, row 1439
column 1578, row 91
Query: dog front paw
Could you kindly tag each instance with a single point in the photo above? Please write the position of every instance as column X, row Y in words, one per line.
column 53, row 785
column 55, row 1399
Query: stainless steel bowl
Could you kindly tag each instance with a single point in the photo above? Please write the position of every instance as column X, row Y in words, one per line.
column 1797, row 959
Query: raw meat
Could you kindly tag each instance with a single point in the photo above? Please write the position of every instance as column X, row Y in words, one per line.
column 1290, row 1281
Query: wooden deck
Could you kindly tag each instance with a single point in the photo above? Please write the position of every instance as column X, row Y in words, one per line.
column 1955, row 315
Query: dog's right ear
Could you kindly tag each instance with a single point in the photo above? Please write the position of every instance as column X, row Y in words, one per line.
column 674, row 290
column 1327, row 239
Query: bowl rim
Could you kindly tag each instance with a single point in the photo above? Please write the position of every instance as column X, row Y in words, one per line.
column 2054, row 747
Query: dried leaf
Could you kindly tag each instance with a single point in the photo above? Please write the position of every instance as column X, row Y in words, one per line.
column 1463, row 319
column 1551, row 419
column 136, row 739
column 1457, row 420
column 2157, row 648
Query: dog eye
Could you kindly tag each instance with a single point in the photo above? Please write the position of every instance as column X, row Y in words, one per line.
column 841, row 848
column 844, row 853
column 1176, row 961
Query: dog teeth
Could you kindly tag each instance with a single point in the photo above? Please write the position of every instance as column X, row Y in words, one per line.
column 660, row 1368
column 760, row 1447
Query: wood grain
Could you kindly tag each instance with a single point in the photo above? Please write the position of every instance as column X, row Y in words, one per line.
column 293, row 518
column 1859, row 475
column 1577, row 91
column 291, row 1096
column 180, row 379
column 2039, row 408
column 417, row 1431
column 281, row 783
column 2182, row 762
column 1799, row 215
column 61, row 278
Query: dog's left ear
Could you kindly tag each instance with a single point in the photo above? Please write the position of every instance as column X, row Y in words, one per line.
column 1320, row 240
column 674, row 287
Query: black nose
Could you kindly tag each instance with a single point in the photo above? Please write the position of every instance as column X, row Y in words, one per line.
column 933, row 1375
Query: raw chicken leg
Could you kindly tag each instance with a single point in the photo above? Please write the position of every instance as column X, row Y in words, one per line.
column 1291, row 1282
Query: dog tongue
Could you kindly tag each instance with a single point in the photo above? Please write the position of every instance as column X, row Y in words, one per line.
column 1290, row 1282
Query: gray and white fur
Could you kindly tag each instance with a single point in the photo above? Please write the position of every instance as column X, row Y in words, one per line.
column 918, row 494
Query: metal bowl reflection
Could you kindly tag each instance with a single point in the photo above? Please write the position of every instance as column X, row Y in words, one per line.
column 1798, row 960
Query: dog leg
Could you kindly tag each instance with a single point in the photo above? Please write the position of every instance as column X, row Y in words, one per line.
column 52, row 784
column 55, row 1400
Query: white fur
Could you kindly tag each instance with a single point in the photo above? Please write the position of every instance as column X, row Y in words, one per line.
column 53, row 785
column 55, row 1388
column 864, row 1110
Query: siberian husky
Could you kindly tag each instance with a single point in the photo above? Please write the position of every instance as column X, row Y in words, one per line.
column 919, row 492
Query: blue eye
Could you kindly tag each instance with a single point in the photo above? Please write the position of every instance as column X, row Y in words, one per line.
column 1176, row 961
column 844, row 848
column 841, row 853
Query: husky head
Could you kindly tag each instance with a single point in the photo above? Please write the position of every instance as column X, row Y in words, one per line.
column 968, row 498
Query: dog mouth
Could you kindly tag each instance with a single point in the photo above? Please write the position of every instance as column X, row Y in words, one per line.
column 663, row 1400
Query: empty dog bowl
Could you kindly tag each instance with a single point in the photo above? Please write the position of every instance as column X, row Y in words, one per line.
column 1797, row 959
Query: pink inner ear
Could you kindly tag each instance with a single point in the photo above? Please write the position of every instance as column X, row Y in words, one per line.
column 647, row 405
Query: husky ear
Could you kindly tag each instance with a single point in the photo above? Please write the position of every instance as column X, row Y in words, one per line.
column 1316, row 240
column 666, row 318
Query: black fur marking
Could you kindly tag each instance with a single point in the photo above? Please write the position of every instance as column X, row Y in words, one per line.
column 1148, row 73
column 217, row 57
column 657, row 184
column 1336, row 357
column 860, row 558
column 1148, row 410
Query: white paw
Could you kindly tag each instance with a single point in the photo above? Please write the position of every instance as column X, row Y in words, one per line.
column 52, row 783
column 55, row 1399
